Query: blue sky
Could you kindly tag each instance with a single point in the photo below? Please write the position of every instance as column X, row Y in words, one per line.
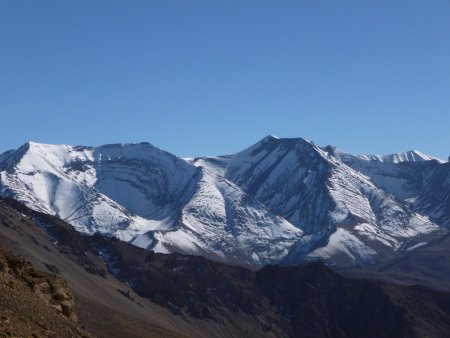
column 213, row 77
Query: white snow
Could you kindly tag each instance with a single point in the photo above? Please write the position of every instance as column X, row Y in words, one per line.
column 416, row 246
column 343, row 242
column 249, row 208
column 143, row 241
column 408, row 156
column 376, row 234
column 129, row 191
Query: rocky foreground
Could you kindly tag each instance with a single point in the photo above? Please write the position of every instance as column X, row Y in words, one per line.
column 34, row 303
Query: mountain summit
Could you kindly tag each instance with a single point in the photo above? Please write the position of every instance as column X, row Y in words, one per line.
column 278, row 201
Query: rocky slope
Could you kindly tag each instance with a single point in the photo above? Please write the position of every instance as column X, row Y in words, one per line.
column 34, row 303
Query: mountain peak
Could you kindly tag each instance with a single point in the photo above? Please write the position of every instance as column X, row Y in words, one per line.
column 287, row 191
column 127, row 145
column 64, row 153
column 270, row 137
column 32, row 144
column 274, row 141
column 407, row 156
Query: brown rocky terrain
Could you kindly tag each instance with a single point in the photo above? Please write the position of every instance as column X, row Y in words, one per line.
column 34, row 303
column 124, row 291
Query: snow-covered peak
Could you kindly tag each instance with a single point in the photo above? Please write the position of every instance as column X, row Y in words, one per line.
column 250, row 156
column 136, row 179
column 279, row 200
column 272, row 147
column 408, row 156
column 319, row 193
column 269, row 139
column 149, row 197
column 140, row 151
column 421, row 181
column 35, row 155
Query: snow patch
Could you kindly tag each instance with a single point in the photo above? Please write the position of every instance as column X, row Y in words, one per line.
column 344, row 242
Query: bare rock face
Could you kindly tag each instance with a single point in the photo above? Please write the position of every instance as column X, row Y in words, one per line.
column 34, row 303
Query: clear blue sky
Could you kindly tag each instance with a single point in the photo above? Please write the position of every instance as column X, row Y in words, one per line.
column 212, row 77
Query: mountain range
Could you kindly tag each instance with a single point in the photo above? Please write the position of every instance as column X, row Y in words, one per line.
column 280, row 201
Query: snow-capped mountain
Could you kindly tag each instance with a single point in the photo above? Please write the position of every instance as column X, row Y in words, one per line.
column 407, row 156
column 146, row 196
column 348, row 218
column 421, row 181
column 278, row 201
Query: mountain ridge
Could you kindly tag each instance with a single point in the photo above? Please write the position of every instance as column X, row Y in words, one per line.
column 277, row 201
